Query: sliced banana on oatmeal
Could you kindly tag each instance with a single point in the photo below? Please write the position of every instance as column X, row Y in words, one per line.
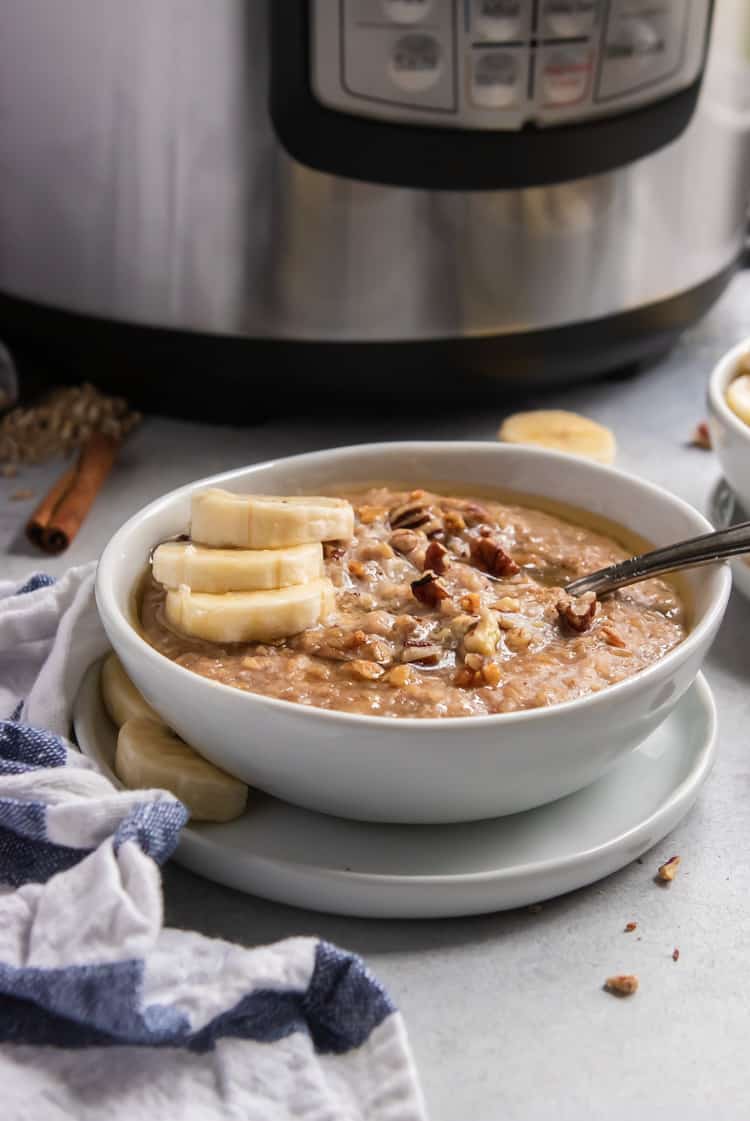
column 256, row 521
column 235, row 570
column 738, row 397
column 249, row 616
column 149, row 754
column 561, row 431
column 121, row 698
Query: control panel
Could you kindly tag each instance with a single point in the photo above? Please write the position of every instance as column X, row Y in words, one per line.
column 502, row 64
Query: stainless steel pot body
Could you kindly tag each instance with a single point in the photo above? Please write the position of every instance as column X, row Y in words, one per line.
column 141, row 181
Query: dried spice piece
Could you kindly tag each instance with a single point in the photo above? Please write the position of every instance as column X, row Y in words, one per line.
column 428, row 589
column 675, row 954
column 437, row 557
column 489, row 554
column 701, row 437
column 416, row 514
column 577, row 611
column 630, row 927
column 622, row 984
column 668, row 871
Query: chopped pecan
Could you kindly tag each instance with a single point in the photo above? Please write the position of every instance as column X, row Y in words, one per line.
column 370, row 514
column 428, row 589
column 474, row 677
column 491, row 673
column 492, row 557
column 357, row 569
column 675, row 954
column 453, row 521
column 375, row 550
column 507, row 603
column 668, row 871
column 471, row 603
column 470, row 512
column 401, row 675
column 622, row 984
column 613, row 637
column 406, row 540
column 518, row 638
column 701, row 437
column 630, row 927
column 368, row 671
column 437, row 557
column 577, row 611
column 416, row 514
column 485, row 635
column 427, row 653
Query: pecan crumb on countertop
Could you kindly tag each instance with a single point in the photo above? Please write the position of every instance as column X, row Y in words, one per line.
column 622, row 984
column 675, row 954
column 630, row 927
column 577, row 611
column 668, row 871
column 701, row 437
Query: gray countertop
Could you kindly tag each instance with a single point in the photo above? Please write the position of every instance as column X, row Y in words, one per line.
column 506, row 1012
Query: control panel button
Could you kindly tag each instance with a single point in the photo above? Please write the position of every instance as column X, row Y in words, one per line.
column 642, row 45
column 565, row 75
column 497, row 20
column 415, row 63
column 406, row 11
column 495, row 79
column 566, row 19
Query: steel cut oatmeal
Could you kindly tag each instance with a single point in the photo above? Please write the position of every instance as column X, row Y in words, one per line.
column 448, row 606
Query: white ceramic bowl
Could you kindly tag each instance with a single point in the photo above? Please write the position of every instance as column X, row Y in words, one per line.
column 411, row 770
column 730, row 436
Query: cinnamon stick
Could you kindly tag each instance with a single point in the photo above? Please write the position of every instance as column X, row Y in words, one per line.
column 62, row 511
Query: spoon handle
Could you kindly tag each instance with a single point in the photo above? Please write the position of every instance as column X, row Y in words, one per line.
column 706, row 549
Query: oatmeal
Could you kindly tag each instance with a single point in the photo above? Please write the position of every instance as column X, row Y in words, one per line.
column 448, row 606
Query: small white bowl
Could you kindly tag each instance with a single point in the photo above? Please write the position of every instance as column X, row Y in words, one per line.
column 730, row 436
column 411, row 770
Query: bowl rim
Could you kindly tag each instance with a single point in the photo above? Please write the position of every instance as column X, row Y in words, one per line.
column 719, row 379
column 109, row 609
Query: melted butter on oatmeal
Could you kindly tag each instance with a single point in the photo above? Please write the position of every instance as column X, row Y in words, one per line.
column 483, row 636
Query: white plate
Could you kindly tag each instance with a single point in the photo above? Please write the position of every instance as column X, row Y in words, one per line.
column 725, row 510
column 427, row 871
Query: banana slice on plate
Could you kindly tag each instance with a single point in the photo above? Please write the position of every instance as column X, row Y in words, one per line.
column 738, row 397
column 235, row 570
column 249, row 616
column 561, row 431
column 149, row 754
column 121, row 698
column 256, row 521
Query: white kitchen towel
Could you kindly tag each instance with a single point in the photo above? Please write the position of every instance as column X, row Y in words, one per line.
column 103, row 1011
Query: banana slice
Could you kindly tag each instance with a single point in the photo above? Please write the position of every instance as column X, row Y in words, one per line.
column 121, row 698
column 738, row 397
column 256, row 521
column 249, row 616
column 562, row 431
column 235, row 570
column 149, row 754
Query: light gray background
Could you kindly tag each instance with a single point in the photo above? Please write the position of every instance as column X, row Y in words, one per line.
column 506, row 1013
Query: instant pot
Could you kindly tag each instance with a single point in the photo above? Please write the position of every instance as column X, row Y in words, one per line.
column 367, row 195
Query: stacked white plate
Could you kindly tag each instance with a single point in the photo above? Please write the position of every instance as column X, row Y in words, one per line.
column 295, row 856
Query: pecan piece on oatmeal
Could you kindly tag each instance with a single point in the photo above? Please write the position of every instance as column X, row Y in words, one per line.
column 428, row 589
column 369, row 514
column 492, row 557
column 426, row 653
column 368, row 671
column 416, row 514
column 356, row 569
column 577, row 611
column 401, row 675
column 406, row 540
column 470, row 513
column 622, row 984
column 471, row 603
column 437, row 557
column 453, row 521
column 471, row 676
column 484, row 636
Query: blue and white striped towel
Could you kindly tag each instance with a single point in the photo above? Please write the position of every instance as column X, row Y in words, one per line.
column 105, row 1013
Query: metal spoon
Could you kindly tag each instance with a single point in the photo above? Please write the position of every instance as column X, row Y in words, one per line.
column 706, row 549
